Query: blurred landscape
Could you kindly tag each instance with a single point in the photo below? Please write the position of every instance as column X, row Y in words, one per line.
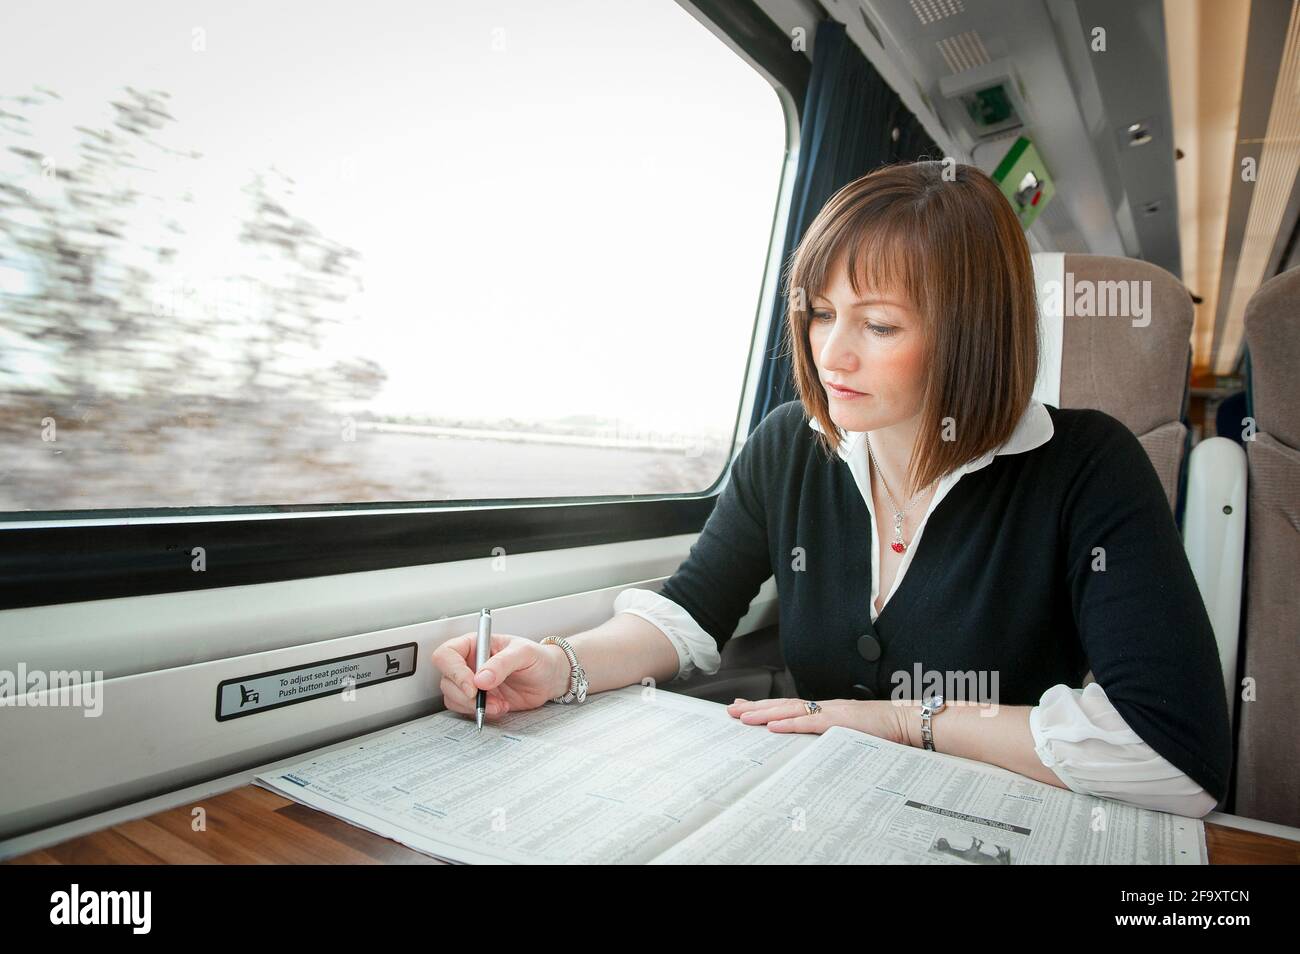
column 126, row 384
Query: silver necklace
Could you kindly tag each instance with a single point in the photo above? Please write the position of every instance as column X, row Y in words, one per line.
column 897, row 544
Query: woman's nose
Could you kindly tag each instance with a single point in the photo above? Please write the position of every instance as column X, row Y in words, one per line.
column 836, row 355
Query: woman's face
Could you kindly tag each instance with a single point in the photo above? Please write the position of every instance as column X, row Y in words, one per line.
column 870, row 343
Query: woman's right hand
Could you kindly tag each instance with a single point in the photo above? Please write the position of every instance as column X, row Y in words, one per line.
column 521, row 674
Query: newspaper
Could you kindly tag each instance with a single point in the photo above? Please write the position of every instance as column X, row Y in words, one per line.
column 645, row 776
column 853, row 797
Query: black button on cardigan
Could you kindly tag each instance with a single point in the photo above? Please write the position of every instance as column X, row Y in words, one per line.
column 869, row 647
column 1031, row 570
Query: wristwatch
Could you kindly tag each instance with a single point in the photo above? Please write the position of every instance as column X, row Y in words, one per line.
column 929, row 708
column 577, row 677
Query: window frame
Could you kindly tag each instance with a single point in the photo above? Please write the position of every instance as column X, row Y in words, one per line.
column 74, row 556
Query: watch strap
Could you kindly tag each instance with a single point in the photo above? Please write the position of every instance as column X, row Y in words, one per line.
column 929, row 708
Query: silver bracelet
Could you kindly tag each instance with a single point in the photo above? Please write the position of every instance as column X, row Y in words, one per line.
column 577, row 676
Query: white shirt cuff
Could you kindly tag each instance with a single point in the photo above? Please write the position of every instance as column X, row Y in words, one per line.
column 1081, row 737
column 695, row 648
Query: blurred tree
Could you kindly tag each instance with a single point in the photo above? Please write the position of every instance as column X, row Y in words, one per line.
column 179, row 395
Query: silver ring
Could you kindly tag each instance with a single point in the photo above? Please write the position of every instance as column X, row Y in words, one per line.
column 812, row 707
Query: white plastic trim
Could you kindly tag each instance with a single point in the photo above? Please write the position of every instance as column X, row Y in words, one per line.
column 1214, row 538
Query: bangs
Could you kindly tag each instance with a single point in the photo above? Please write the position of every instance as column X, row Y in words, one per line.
column 885, row 252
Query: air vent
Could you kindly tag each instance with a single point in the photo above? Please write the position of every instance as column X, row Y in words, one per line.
column 932, row 11
column 964, row 51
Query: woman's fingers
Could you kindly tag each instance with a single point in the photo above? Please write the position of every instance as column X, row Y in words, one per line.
column 457, row 700
column 764, row 710
column 452, row 695
column 768, row 714
column 456, row 659
column 745, row 705
column 451, row 659
column 512, row 657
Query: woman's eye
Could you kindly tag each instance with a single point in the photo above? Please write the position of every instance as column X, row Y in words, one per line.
column 882, row 331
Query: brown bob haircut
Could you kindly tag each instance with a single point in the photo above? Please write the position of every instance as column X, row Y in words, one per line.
column 941, row 236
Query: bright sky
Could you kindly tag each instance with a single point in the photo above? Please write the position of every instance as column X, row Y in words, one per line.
column 562, row 207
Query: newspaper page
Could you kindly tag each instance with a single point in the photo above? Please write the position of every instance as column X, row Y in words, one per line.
column 854, row 797
column 615, row 780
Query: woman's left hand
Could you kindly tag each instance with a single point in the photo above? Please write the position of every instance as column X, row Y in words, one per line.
column 876, row 717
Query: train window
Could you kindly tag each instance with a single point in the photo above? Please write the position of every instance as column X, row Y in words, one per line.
column 322, row 254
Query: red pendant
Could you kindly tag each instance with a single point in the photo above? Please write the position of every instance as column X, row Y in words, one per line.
column 897, row 543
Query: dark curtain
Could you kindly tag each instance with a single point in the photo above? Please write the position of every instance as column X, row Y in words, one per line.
column 852, row 123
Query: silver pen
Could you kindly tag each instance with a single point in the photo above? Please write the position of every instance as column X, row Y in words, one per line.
column 484, row 653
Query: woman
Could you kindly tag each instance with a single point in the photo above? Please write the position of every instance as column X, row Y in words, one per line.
column 1049, row 545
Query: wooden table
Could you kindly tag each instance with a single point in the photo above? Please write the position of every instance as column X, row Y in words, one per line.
column 245, row 826
column 251, row 825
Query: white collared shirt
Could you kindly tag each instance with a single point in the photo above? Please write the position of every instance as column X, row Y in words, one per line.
column 1077, row 733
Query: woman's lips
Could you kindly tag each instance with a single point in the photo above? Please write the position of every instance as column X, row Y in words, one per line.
column 843, row 394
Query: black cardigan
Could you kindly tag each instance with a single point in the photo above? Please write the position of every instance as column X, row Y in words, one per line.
column 1001, row 580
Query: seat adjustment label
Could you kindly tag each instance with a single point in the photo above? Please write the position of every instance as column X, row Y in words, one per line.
column 284, row 687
